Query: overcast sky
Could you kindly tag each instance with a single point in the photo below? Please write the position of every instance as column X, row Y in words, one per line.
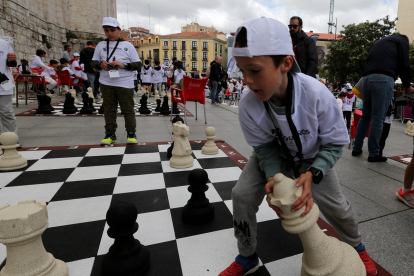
column 168, row 16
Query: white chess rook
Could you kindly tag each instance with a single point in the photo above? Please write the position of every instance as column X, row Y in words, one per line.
column 322, row 255
column 21, row 228
column 181, row 153
column 11, row 158
column 210, row 146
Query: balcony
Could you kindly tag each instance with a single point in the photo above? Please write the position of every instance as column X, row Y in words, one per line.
column 205, row 49
column 194, row 58
column 182, row 58
column 174, row 47
column 194, row 48
column 205, row 59
column 165, row 47
column 194, row 69
column 183, row 48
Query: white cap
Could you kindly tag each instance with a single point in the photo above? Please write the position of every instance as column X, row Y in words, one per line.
column 110, row 21
column 266, row 37
column 349, row 86
column 76, row 55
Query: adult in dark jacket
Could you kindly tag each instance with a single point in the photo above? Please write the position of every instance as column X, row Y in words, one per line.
column 387, row 59
column 86, row 57
column 215, row 78
column 304, row 47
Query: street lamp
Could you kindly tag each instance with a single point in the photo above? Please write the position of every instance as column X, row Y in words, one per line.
column 334, row 24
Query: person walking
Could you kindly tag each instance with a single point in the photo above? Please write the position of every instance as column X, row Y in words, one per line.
column 86, row 57
column 215, row 78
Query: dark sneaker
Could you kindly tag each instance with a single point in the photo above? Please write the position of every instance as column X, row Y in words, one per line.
column 378, row 158
column 109, row 138
column 242, row 266
column 356, row 152
column 131, row 137
column 369, row 263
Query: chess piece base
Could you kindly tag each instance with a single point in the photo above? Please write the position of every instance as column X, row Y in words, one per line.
column 12, row 162
column 209, row 150
column 181, row 162
column 197, row 215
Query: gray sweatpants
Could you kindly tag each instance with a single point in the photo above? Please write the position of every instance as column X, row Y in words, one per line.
column 249, row 192
column 157, row 86
column 7, row 118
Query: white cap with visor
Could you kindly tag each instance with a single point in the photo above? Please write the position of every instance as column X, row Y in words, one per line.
column 266, row 37
column 110, row 21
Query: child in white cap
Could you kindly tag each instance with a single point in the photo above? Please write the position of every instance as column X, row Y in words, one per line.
column 295, row 127
column 117, row 60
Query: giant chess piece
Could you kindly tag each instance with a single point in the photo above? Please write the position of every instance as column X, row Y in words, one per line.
column 63, row 90
column 210, row 146
column 163, row 91
column 49, row 102
column 44, row 105
column 322, row 255
column 181, row 154
column 139, row 92
column 165, row 109
column 73, row 92
column 143, row 109
column 69, row 104
column 85, row 109
column 169, row 98
column 175, row 109
column 198, row 209
column 158, row 108
column 90, row 93
column 177, row 118
column 157, row 96
column 21, row 228
column 409, row 128
column 11, row 158
column 127, row 256
column 90, row 102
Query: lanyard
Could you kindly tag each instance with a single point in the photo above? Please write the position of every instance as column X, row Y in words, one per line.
column 107, row 50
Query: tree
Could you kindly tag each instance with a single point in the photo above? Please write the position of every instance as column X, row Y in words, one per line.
column 348, row 55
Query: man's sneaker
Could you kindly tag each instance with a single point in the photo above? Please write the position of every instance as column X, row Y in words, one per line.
column 109, row 138
column 242, row 266
column 356, row 152
column 131, row 137
column 368, row 262
column 407, row 197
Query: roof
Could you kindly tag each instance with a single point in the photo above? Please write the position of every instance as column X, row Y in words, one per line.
column 139, row 29
column 323, row 36
column 193, row 35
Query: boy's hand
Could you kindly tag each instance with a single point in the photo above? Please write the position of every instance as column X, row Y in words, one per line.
column 117, row 63
column 104, row 65
column 306, row 197
column 269, row 189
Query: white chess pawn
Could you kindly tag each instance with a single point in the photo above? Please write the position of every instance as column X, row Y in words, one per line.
column 90, row 93
column 63, row 90
column 169, row 98
column 322, row 255
column 156, row 97
column 11, row 158
column 181, row 153
column 73, row 92
column 21, row 228
column 409, row 128
column 210, row 146
column 163, row 91
column 139, row 93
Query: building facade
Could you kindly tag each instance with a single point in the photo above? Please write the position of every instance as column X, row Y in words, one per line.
column 405, row 23
column 195, row 50
column 195, row 27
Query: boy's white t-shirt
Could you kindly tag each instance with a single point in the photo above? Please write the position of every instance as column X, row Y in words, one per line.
column 73, row 66
column 146, row 74
column 317, row 118
column 37, row 63
column 348, row 103
column 124, row 53
column 5, row 49
column 239, row 85
column 157, row 75
column 49, row 72
column 178, row 75
column 340, row 103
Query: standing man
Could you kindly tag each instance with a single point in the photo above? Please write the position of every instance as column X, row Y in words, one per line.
column 387, row 59
column 215, row 78
column 304, row 47
column 86, row 57
column 66, row 53
column 7, row 59
column 197, row 74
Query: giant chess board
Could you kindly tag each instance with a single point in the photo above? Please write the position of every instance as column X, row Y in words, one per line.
column 80, row 183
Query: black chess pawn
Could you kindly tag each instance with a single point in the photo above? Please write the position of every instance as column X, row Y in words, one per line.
column 69, row 104
column 175, row 109
column 170, row 148
column 90, row 101
column 44, row 104
column 158, row 108
column 127, row 256
column 49, row 102
column 85, row 109
column 198, row 209
column 165, row 109
column 144, row 108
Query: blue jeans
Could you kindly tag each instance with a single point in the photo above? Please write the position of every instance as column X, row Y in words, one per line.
column 91, row 77
column 213, row 94
column 377, row 91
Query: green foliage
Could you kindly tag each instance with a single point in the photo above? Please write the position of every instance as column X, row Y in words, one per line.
column 411, row 53
column 347, row 56
column 70, row 35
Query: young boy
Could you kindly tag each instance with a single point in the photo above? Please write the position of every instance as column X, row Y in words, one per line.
column 348, row 104
column 65, row 64
column 280, row 104
column 340, row 100
column 157, row 74
column 117, row 59
column 49, row 73
column 146, row 76
column 179, row 74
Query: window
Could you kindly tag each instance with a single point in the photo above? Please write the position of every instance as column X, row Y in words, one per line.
column 142, row 55
column 174, row 54
column 166, row 54
column 205, row 45
column 216, row 47
column 165, row 43
column 194, row 45
column 182, row 45
column 142, row 41
column 174, row 44
column 205, row 55
column 184, row 65
column 205, row 66
column 194, row 66
column 221, row 48
column 149, row 41
column 194, row 55
column 149, row 54
column 183, row 55
column 156, row 40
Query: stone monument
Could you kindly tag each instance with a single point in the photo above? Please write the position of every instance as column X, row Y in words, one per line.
column 11, row 158
column 323, row 255
column 181, row 153
column 21, row 228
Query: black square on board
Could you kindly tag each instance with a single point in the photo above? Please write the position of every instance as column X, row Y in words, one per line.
column 84, row 189
column 197, row 146
column 224, row 189
column 176, row 179
column 145, row 201
column 163, row 156
column 91, row 161
column 41, row 177
column 66, row 153
column 140, row 168
column 223, row 219
column 274, row 243
column 213, row 163
column 141, row 149
column 74, row 242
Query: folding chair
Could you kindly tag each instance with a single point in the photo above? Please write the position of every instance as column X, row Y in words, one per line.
column 180, row 98
column 65, row 79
